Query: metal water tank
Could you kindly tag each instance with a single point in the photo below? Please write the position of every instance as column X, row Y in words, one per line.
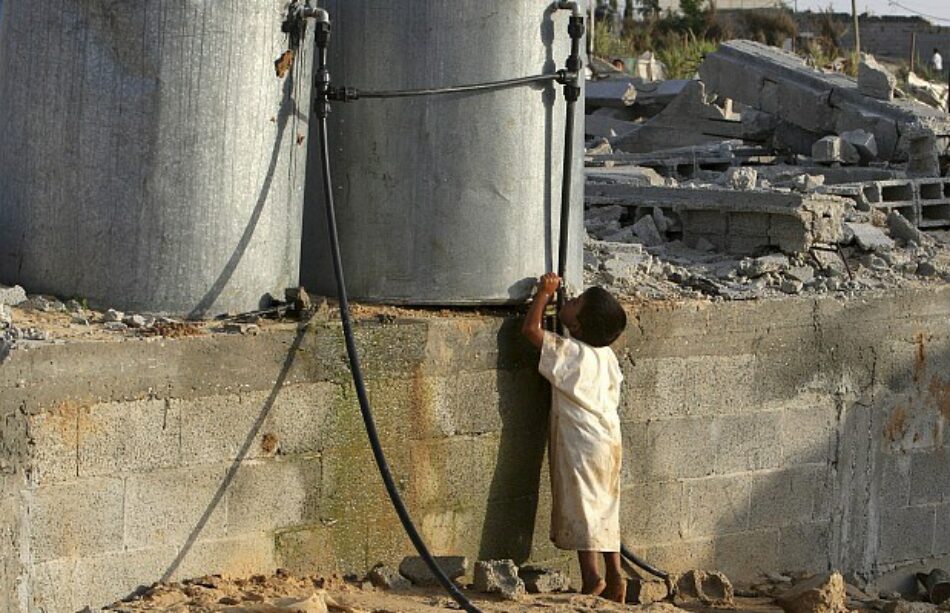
column 451, row 199
column 150, row 159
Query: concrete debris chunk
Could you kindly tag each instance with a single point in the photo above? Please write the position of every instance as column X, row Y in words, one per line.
column 933, row 94
column 539, row 580
column 647, row 231
column 741, row 178
column 773, row 262
column 821, row 594
column 711, row 588
column 863, row 142
column 805, row 274
column 807, row 183
column 499, row 577
column 386, row 578
column 12, row 295
column 870, row 237
column 646, row 591
column 624, row 266
column 791, row 286
column 414, row 568
column 600, row 146
column 112, row 316
column 834, row 150
column 816, row 103
column 874, row 80
column 902, row 229
column 134, row 321
column 904, row 606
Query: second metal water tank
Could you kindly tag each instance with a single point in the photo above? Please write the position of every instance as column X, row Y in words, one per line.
column 451, row 199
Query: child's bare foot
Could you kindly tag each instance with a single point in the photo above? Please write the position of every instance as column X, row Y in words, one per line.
column 595, row 588
column 615, row 589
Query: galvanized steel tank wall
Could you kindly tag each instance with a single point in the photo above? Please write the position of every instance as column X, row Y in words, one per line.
column 453, row 199
column 149, row 157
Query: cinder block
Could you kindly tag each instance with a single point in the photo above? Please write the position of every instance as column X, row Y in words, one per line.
column 942, row 533
column 786, row 497
column 70, row 584
column 240, row 557
column 907, row 533
column 680, row 555
column 351, row 482
column 747, row 442
column 806, row 547
column 808, row 430
column 681, row 386
column 123, row 437
column 894, row 481
column 482, row 401
column 930, row 476
column 324, row 548
column 744, row 556
column 55, row 435
column 221, row 428
column 470, row 470
column 652, row 513
column 274, row 494
column 677, row 448
column 177, row 505
column 717, row 505
column 79, row 518
column 299, row 416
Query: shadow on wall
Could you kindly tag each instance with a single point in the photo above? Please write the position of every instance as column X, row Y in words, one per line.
column 240, row 457
column 509, row 527
column 774, row 449
column 288, row 109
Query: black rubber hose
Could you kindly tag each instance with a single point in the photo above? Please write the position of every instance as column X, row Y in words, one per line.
column 357, row 373
column 405, row 93
column 634, row 559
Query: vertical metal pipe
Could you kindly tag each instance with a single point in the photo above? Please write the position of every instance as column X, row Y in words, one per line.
column 572, row 92
column 913, row 50
column 857, row 30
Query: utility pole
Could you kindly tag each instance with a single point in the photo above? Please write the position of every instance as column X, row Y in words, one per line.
column 913, row 50
column 857, row 31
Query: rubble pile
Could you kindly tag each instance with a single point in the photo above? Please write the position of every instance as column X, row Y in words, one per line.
column 767, row 178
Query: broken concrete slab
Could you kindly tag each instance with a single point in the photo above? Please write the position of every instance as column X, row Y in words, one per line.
column 736, row 222
column 931, row 94
column 821, row 594
column 874, row 80
column 688, row 120
column 782, row 84
column 606, row 127
column 626, row 175
column 870, row 237
column 415, row 569
column 619, row 92
column 901, row 228
column 834, row 150
column 499, row 577
column 647, row 231
column 540, row 580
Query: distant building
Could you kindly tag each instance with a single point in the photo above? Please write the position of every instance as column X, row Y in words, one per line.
column 726, row 5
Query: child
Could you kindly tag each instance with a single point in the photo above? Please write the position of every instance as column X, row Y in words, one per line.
column 585, row 447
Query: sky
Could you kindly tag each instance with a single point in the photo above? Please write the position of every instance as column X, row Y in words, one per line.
column 936, row 8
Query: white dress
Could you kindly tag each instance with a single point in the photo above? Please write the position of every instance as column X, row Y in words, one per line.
column 585, row 449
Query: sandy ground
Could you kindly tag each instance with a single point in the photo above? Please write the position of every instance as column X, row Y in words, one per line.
column 284, row 593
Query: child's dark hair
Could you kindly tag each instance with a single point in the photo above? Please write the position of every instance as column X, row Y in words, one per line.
column 601, row 317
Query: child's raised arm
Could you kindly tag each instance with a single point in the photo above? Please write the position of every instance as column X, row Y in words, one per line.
column 531, row 328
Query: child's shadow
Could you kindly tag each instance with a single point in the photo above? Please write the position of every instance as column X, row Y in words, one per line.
column 523, row 404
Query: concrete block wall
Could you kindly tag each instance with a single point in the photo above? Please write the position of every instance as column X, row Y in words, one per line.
column 787, row 435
